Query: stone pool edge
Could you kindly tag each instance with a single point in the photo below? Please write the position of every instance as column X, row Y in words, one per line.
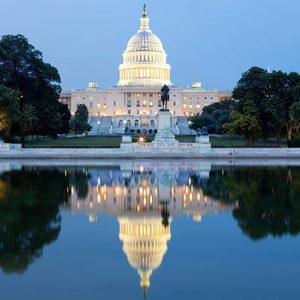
column 117, row 153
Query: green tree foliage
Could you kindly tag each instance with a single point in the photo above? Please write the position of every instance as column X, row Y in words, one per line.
column 79, row 123
column 22, row 68
column 9, row 108
column 245, row 123
column 65, row 119
column 267, row 199
column 214, row 116
column 15, row 115
column 273, row 94
column 29, row 215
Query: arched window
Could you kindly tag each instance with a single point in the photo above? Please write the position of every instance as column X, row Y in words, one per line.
column 128, row 123
column 138, row 104
column 152, row 123
column 136, row 123
column 121, row 123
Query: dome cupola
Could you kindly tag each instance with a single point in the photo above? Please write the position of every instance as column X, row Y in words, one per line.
column 144, row 60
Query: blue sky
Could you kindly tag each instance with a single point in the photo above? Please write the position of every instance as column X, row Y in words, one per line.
column 212, row 41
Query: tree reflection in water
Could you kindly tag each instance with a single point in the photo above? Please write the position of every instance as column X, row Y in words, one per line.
column 268, row 198
column 29, row 215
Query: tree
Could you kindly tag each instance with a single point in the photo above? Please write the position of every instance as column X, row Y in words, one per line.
column 22, row 68
column 252, row 85
column 27, row 121
column 245, row 123
column 79, row 123
column 9, row 107
column 65, row 118
column 214, row 116
column 14, row 115
column 273, row 94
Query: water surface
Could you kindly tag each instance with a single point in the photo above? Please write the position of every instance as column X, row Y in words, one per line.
column 129, row 230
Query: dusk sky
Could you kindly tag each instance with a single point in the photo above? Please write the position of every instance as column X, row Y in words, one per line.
column 212, row 41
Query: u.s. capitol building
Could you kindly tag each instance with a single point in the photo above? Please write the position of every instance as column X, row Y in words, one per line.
column 135, row 100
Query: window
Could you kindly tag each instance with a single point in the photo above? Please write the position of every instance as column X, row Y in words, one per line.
column 98, row 105
column 144, row 103
column 128, row 123
column 114, row 103
column 152, row 123
column 137, row 112
column 136, row 123
column 91, row 104
column 174, row 103
column 138, row 104
column 151, row 104
column 121, row 123
column 129, row 112
column 128, row 103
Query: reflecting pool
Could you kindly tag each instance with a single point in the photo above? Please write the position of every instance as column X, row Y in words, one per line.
column 149, row 229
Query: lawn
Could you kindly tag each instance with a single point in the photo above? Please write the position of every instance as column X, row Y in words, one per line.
column 236, row 141
column 78, row 142
column 114, row 142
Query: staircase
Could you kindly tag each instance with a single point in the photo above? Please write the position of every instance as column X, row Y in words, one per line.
column 100, row 125
column 183, row 126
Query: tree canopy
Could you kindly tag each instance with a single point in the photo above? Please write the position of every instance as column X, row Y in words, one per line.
column 214, row 116
column 272, row 94
column 38, row 83
column 79, row 123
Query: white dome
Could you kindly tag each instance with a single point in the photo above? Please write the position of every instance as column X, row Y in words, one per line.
column 144, row 60
column 145, row 41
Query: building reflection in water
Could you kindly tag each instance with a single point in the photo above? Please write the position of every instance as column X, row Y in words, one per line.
column 145, row 200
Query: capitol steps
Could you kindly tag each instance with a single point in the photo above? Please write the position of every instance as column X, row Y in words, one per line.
column 100, row 125
column 183, row 126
